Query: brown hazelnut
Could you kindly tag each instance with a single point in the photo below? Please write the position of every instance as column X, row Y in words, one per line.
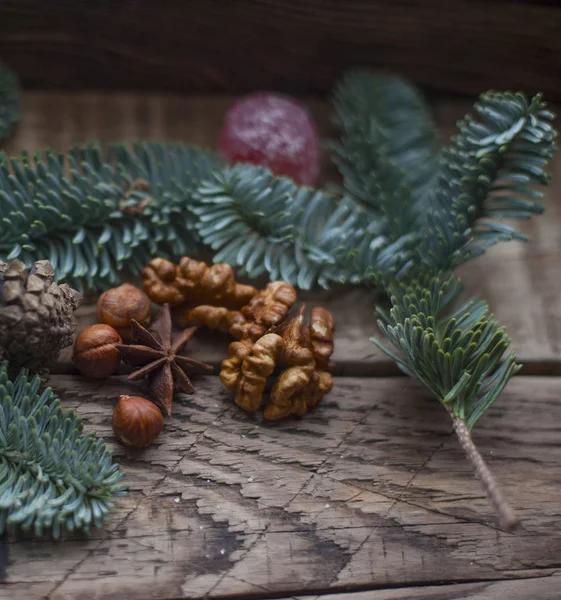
column 137, row 422
column 119, row 306
column 94, row 352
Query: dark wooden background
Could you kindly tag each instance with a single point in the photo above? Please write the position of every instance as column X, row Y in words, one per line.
column 447, row 46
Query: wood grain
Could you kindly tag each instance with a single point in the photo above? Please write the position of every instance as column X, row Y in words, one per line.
column 371, row 489
column 538, row 588
column 297, row 46
column 520, row 281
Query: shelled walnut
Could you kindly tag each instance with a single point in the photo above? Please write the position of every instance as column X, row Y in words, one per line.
column 266, row 309
column 303, row 350
column 200, row 295
column 193, row 284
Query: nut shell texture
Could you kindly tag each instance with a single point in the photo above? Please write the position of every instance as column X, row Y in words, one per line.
column 95, row 354
column 119, row 306
column 137, row 422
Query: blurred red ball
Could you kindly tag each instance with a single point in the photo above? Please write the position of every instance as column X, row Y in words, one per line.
column 274, row 131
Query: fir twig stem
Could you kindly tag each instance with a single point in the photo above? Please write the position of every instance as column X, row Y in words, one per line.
column 507, row 517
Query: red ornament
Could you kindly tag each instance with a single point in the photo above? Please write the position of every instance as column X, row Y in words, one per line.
column 273, row 131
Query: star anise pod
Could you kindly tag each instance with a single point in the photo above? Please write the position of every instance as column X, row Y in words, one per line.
column 157, row 353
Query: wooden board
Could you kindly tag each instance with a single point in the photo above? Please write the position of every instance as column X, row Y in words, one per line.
column 452, row 46
column 536, row 588
column 520, row 281
column 370, row 490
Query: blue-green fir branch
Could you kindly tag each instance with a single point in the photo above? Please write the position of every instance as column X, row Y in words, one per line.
column 453, row 213
column 460, row 356
column 96, row 213
column 264, row 224
column 53, row 479
column 492, row 172
column 385, row 129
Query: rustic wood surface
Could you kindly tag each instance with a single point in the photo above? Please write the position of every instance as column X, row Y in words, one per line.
column 367, row 498
column 453, row 46
column 371, row 489
column 544, row 588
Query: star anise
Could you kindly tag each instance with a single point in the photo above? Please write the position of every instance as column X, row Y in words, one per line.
column 157, row 354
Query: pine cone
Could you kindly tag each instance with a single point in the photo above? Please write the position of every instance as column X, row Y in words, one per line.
column 36, row 315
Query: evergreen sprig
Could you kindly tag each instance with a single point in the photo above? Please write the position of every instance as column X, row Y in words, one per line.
column 90, row 214
column 52, row 478
column 389, row 146
column 260, row 224
column 490, row 172
column 455, row 200
column 9, row 101
column 460, row 357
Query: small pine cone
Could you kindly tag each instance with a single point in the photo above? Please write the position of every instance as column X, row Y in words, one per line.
column 36, row 315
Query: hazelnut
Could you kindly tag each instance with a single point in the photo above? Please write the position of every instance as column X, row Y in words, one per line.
column 95, row 354
column 137, row 422
column 119, row 306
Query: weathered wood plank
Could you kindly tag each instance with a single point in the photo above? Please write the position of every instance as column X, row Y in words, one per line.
column 370, row 489
column 520, row 281
column 540, row 588
column 457, row 47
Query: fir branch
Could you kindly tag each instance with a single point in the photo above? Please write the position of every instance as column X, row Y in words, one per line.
column 84, row 214
column 389, row 149
column 449, row 200
column 53, row 479
column 490, row 172
column 9, row 101
column 243, row 213
column 260, row 224
column 460, row 357
column 389, row 156
column 94, row 213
